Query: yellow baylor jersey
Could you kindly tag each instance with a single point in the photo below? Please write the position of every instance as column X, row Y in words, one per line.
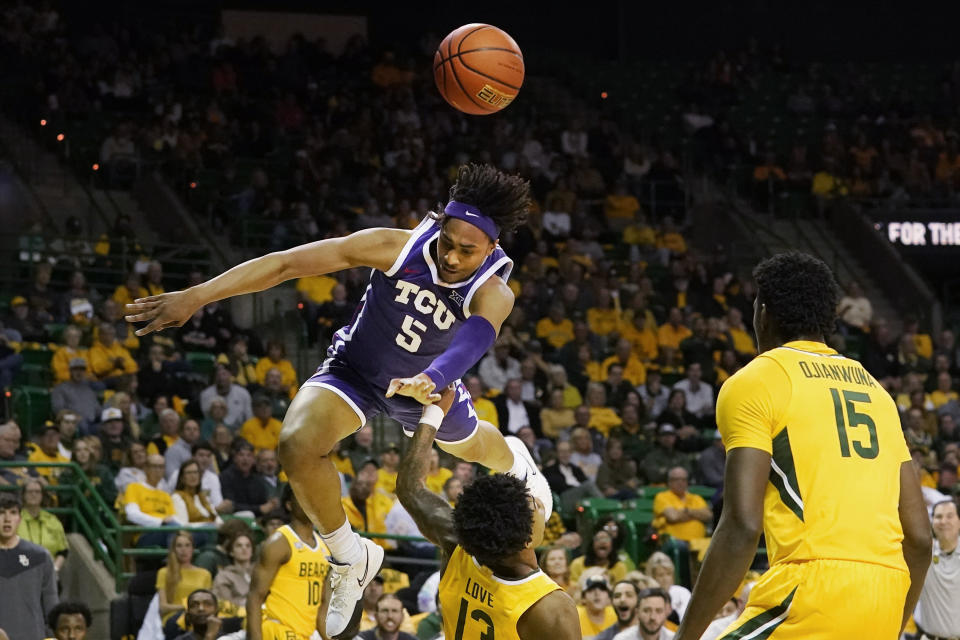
column 294, row 596
column 479, row 605
column 836, row 448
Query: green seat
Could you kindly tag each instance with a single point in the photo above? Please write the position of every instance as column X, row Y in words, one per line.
column 637, row 543
column 590, row 510
column 640, row 504
column 201, row 362
column 35, row 375
column 31, row 408
column 649, row 492
column 704, row 492
column 55, row 330
column 37, row 356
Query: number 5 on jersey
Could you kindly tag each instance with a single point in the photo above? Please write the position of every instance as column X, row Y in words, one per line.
column 854, row 419
column 409, row 338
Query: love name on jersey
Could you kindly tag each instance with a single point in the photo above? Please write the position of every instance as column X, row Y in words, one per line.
column 478, row 593
column 427, row 303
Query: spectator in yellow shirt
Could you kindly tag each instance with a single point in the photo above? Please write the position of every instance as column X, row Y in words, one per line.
column 602, row 417
column 154, row 284
column 262, row 430
column 47, row 450
column 112, row 313
column 556, row 329
column 922, row 340
column 130, row 290
column 180, row 578
column 555, row 417
column 671, row 239
column 40, row 526
column 944, row 392
column 595, row 611
column 602, row 319
column 639, row 232
column 620, row 207
column 146, row 504
column 558, row 380
column 679, row 513
column 484, row 407
column 316, row 289
column 672, row 333
column 743, row 341
column 437, row 476
column 110, row 360
column 365, row 507
column 387, row 473
column 276, row 358
column 60, row 364
column 643, row 339
column 826, row 184
column 633, row 369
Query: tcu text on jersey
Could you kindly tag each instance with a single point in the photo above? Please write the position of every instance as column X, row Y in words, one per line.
column 424, row 301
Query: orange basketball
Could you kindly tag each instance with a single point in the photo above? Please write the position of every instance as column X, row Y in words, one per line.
column 478, row 69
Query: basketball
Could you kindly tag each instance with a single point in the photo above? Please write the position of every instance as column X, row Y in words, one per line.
column 478, row 69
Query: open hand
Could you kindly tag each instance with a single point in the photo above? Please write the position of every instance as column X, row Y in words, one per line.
column 161, row 311
column 420, row 388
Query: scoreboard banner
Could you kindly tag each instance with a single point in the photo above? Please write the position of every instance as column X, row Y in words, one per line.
column 927, row 238
column 912, row 233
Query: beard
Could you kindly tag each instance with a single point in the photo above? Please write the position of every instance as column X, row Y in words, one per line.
column 625, row 617
column 647, row 630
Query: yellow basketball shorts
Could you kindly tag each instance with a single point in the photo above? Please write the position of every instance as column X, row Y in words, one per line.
column 824, row 600
column 275, row 630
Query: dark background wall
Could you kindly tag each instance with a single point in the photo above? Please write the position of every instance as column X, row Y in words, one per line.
column 624, row 29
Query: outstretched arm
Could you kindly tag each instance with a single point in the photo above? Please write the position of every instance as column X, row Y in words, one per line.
column 434, row 517
column 734, row 542
column 376, row 248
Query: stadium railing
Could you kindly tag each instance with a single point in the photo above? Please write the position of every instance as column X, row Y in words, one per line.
column 84, row 511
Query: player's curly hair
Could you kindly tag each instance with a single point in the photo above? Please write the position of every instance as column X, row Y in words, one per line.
column 69, row 608
column 493, row 518
column 502, row 197
column 800, row 292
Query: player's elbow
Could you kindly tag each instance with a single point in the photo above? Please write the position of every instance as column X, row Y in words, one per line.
column 748, row 525
column 407, row 487
column 282, row 266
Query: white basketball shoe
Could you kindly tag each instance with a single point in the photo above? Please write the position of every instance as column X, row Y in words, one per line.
column 528, row 472
column 348, row 583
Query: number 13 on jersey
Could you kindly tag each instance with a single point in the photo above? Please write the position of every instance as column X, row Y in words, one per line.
column 479, row 616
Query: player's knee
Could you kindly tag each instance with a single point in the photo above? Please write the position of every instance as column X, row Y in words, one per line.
column 300, row 442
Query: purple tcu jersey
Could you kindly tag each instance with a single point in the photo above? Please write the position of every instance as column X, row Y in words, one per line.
column 408, row 315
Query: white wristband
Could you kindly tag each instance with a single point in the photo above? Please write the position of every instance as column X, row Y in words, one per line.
column 432, row 415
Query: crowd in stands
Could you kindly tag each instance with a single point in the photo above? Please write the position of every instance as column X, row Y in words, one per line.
column 608, row 368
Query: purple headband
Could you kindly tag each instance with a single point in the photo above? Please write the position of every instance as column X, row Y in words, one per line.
column 474, row 216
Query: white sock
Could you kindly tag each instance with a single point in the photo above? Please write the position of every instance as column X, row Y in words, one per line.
column 344, row 544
